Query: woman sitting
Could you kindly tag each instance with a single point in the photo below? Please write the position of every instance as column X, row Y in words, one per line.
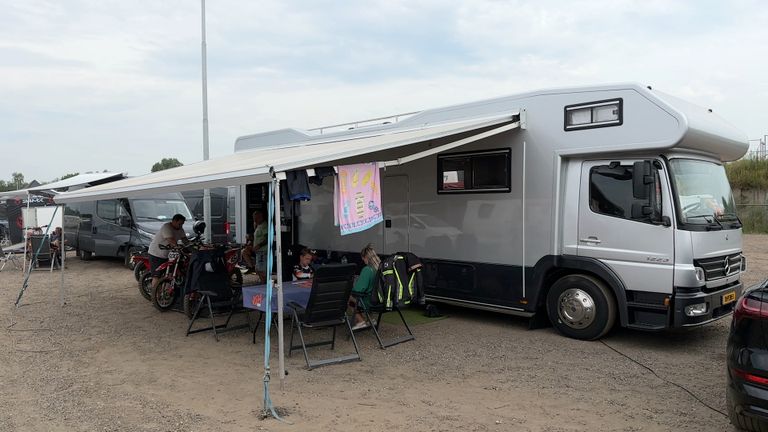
column 364, row 284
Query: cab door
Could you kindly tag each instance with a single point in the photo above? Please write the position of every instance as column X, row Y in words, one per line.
column 634, row 245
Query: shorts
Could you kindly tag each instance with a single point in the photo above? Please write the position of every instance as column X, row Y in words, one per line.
column 154, row 263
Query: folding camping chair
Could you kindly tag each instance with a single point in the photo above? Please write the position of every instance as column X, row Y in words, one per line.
column 327, row 307
column 6, row 257
column 42, row 244
column 397, row 284
column 367, row 310
column 215, row 285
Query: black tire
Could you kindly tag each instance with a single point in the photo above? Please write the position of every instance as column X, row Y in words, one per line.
column 161, row 298
column 127, row 258
column 145, row 286
column 742, row 422
column 581, row 307
column 84, row 255
column 138, row 270
column 236, row 278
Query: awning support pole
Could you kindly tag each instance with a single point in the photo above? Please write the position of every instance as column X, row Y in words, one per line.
column 279, row 254
column 24, row 234
column 25, row 284
column 63, row 256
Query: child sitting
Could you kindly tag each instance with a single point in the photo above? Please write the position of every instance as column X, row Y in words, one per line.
column 303, row 270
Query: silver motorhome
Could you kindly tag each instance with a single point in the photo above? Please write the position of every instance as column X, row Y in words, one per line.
column 608, row 204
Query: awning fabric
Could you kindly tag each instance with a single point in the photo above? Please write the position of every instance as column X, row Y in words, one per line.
column 255, row 166
column 49, row 189
column 80, row 180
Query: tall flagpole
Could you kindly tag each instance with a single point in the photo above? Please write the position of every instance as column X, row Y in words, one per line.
column 206, row 192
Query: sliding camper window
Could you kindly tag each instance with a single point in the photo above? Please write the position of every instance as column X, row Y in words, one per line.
column 610, row 192
column 480, row 171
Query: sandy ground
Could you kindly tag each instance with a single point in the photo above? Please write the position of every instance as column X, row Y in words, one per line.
column 108, row 361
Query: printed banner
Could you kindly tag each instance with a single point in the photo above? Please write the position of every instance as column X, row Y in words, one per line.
column 359, row 197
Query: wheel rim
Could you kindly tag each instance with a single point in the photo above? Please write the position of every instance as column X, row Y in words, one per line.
column 576, row 308
column 165, row 294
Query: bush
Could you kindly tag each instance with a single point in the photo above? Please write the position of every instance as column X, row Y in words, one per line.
column 754, row 218
column 748, row 174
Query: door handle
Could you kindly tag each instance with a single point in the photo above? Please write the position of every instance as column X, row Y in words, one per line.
column 590, row 239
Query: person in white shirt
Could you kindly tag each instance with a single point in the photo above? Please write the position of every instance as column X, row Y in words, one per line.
column 170, row 233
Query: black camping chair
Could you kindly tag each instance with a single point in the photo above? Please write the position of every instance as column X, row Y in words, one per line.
column 367, row 310
column 215, row 285
column 327, row 307
column 43, row 244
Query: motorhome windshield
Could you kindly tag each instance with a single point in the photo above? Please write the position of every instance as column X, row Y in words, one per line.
column 703, row 194
column 159, row 209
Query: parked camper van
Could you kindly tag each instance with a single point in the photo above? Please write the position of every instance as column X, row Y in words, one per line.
column 220, row 227
column 595, row 206
column 116, row 227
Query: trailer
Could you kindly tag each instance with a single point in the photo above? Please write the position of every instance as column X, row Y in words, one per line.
column 587, row 206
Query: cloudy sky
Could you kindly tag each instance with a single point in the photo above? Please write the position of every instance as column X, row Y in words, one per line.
column 104, row 84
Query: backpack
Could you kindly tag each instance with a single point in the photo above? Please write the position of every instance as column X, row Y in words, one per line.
column 400, row 281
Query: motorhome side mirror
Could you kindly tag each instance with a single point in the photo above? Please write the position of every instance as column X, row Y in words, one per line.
column 642, row 180
column 125, row 221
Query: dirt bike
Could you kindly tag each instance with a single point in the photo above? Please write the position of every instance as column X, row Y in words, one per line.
column 173, row 275
column 231, row 259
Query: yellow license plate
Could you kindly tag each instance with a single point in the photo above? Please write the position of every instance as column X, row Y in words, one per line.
column 729, row 297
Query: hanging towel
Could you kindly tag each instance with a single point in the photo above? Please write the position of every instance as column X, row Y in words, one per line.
column 298, row 186
column 320, row 174
column 359, row 197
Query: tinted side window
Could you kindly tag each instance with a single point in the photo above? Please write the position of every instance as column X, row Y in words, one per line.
column 610, row 192
column 107, row 209
column 482, row 171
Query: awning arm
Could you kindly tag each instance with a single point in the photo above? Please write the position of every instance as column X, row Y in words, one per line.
column 451, row 145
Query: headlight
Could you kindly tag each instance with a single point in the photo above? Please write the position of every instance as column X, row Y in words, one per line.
column 696, row 309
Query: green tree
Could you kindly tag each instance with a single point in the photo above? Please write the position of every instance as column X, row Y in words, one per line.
column 66, row 176
column 17, row 180
column 166, row 163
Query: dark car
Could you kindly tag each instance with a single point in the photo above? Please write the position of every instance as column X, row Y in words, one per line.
column 747, row 392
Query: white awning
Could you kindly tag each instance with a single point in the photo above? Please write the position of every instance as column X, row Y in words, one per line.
column 49, row 189
column 80, row 180
column 256, row 166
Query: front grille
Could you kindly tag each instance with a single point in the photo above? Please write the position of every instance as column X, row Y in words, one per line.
column 719, row 267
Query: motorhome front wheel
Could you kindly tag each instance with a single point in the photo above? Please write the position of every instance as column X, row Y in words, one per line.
column 581, row 307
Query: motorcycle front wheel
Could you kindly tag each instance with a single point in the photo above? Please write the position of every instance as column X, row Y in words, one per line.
column 138, row 271
column 164, row 295
column 145, row 285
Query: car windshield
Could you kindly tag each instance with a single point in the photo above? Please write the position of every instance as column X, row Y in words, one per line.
column 703, row 192
column 160, row 209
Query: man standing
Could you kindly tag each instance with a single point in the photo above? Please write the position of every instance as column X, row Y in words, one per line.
column 170, row 233
column 257, row 248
